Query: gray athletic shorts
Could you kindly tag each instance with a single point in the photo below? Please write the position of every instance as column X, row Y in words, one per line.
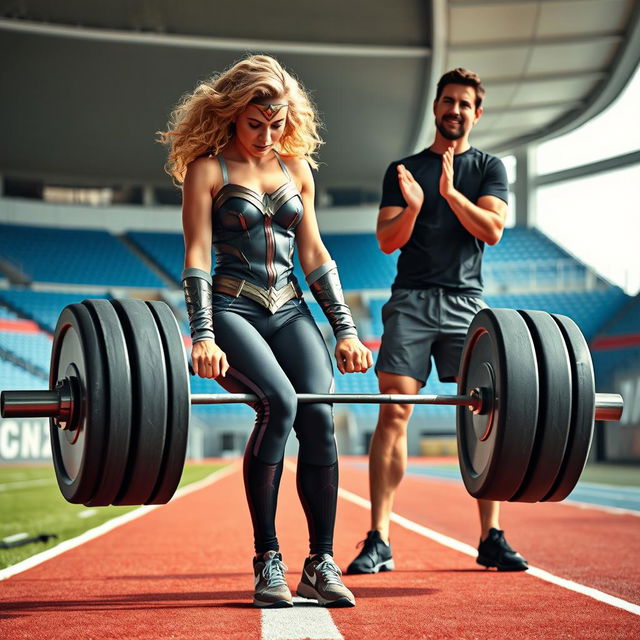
column 420, row 323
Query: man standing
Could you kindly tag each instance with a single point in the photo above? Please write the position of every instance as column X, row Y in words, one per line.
column 439, row 207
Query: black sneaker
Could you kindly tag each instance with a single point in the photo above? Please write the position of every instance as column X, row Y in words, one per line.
column 496, row 552
column 375, row 556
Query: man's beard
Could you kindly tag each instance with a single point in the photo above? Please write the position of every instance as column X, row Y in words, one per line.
column 448, row 133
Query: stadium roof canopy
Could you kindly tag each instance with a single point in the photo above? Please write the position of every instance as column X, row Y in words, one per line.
column 86, row 84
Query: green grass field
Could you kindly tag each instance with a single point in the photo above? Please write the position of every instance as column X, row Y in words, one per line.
column 31, row 503
column 617, row 474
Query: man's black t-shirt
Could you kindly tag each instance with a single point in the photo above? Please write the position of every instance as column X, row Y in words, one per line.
column 440, row 251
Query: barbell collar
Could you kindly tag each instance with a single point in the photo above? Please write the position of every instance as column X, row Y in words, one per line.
column 30, row 404
column 609, row 407
column 58, row 404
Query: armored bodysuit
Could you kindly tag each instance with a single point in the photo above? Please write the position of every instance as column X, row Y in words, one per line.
column 275, row 350
column 253, row 238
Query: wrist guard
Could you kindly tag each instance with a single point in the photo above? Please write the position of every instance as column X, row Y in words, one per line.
column 196, row 284
column 324, row 283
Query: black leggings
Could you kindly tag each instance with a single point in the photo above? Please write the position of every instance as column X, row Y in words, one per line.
column 275, row 356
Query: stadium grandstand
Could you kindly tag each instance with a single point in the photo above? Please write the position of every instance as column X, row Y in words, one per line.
column 108, row 532
column 92, row 214
column 40, row 280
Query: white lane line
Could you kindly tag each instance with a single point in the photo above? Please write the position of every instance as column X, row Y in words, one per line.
column 88, row 513
column 8, row 486
column 304, row 620
column 618, row 511
column 470, row 551
column 613, row 487
column 100, row 530
column 15, row 536
column 608, row 494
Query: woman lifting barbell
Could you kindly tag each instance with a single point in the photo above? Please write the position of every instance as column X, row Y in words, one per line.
column 242, row 144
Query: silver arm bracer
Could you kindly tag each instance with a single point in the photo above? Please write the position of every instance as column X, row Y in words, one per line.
column 325, row 286
column 196, row 284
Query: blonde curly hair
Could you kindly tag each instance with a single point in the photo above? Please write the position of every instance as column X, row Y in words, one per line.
column 203, row 120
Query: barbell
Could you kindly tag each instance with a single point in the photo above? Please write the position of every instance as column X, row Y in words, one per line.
column 119, row 404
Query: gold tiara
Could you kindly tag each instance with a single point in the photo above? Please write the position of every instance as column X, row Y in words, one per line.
column 270, row 110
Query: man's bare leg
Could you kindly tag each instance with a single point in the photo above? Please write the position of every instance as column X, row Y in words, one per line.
column 489, row 511
column 388, row 451
column 494, row 550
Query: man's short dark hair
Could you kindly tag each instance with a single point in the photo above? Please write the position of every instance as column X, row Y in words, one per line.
column 462, row 76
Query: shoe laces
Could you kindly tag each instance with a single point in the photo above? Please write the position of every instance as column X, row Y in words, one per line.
column 496, row 536
column 369, row 544
column 329, row 570
column 273, row 572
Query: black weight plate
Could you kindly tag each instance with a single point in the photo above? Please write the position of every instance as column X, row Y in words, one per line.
column 77, row 453
column 179, row 406
column 117, row 390
column 494, row 450
column 149, row 406
column 554, row 407
column 582, row 411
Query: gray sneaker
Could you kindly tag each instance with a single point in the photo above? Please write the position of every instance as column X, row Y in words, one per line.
column 271, row 586
column 321, row 581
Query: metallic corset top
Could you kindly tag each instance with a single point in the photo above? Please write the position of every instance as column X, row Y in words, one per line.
column 254, row 234
column 269, row 204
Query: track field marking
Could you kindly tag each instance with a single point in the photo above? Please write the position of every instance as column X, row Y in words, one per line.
column 303, row 620
column 88, row 513
column 15, row 537
column 608, row 498
column 471, row 551
column 307, row 620
column 616, row 511
column 8, row 486
column 614, row 488
column 100, row 530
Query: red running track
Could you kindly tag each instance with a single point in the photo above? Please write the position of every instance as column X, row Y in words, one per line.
column 184, row 571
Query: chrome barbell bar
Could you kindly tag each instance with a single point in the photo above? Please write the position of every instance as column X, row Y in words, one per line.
column 43, row 404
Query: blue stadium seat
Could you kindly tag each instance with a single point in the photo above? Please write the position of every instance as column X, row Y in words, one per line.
column 43, row 307
column 74, row 256
column 607, row 363
column 368, row 383
column 628, row 322
column 612, row 350
column 523, row 244
column 589, row 309
column 316, row 312
column 363, row 266
column 165, row 249
column 33, row 348
column 7, row 314
column 14, row 377
column 218, row 412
